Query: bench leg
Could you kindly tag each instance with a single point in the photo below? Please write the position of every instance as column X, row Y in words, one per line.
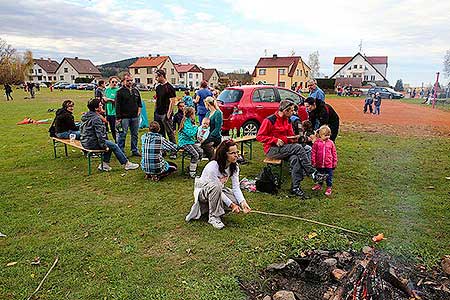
column 54, row 148
column 65, row 149
column 242, row 149
column 89, row 163
column 182, row 163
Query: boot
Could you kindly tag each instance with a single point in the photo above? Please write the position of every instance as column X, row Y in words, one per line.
column 192, row 170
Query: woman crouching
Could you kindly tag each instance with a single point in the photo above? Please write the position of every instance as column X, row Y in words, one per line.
column 210, row 193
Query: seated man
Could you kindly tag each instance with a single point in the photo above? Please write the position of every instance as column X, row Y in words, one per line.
column 153, row 147
column 93, row 137
column 277, row 135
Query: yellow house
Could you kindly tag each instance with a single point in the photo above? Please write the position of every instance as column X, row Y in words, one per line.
column 290, row 72
column 143, row 69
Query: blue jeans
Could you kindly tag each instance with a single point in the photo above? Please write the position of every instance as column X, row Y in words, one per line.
column 117, row 152
column 133, row 124
column 65, row 134
column 328, row 171
column 376, row 110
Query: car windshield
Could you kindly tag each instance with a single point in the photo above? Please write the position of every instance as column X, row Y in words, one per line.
column 230, row 96
column 391, row 90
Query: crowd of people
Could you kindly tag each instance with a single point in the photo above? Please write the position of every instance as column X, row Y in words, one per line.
column 302, row 134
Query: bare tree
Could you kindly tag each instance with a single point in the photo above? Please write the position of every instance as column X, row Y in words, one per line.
column 314, row 64
column 14, row 67
column 447, row 63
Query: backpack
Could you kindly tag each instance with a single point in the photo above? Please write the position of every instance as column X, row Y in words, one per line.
column 52, row 129
column 267, row 182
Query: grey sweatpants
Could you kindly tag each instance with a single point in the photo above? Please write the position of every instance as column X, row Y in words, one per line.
column 298, row 158
column 210, row 199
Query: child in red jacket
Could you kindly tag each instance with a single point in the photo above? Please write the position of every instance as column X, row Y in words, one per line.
column 324, row 157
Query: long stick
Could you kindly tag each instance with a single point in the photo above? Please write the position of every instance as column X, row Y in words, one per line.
column 42, row 281
column 308, row 220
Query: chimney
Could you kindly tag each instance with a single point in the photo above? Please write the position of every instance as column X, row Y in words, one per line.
column 275, row 56
column 76, row 57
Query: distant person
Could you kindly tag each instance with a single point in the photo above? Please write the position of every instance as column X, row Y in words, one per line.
column 110, row 98
column 377, row 104
column 165, row 102
column 154, row 145
column 187, row 138
column 100, row 91
column 30, row 87
column 203, row 130
column 187, row 99
column 324, row 157
column 178, row 116
column 8, row 92
column 321, row 113
column 315, row 91
column 202, row 94
column 215, row 117
column 65, row 122
column 128, row 109
column 211, row 195
column 93, row 137
column 368, row 103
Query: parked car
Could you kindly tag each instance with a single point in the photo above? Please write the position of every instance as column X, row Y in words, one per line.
column 385, row 93
column 355, row 92
column 246, row 106
column 60, row 85
column 81, row 86
column 90, row 86
column 180, row 87
column 72, row 86
column 43, row 85
column 141, row 86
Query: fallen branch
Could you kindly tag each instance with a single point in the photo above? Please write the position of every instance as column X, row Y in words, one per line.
column 308, row 220
column 42, row 281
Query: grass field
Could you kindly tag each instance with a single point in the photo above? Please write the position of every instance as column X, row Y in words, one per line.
column 119, row 236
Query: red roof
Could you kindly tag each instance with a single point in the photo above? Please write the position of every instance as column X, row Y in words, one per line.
column 82, row 66
column 148, row 61
column 187, row 68
column 48, row 65
column 374, row 60
column 207, row 73
column 276, row 61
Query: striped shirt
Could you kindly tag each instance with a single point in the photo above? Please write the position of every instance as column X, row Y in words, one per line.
column 153, row 146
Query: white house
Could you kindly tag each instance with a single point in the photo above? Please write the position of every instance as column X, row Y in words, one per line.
column 190, row 75
column 71, row 68
column 44, row 70
column 368, row 68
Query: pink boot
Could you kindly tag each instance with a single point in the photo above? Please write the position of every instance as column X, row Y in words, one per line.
column 317, row 187
column 328, row 191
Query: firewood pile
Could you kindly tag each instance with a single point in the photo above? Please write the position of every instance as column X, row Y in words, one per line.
column 349, row 275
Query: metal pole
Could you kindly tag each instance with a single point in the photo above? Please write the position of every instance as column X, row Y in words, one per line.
column 436, row 85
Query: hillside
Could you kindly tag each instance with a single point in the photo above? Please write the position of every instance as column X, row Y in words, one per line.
column 116, row 67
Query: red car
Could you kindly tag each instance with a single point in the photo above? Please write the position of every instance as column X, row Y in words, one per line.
column 246, row 106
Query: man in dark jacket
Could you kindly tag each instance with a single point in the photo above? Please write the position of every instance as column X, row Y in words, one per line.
column 128, row 109
column 277, row 135
column 64, row 121
column 321, row 113
column 93, row 137
column 8, row 91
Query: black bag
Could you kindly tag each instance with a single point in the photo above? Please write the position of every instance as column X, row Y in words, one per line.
column 267, row 182
column 52, row 129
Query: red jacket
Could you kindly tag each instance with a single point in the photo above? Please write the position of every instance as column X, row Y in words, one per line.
column 324, row 154
column 269, row 133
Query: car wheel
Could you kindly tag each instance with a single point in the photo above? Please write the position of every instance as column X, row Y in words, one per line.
column 390, row 96
column 250, row 128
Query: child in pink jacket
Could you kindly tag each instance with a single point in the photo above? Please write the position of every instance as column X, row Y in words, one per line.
column 324, row 157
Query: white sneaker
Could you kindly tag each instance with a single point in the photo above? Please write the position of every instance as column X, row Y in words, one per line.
column 104, row 167
column 131, row 166
column 216, row 222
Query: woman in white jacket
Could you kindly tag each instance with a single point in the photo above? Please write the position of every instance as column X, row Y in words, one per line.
column 210, row 193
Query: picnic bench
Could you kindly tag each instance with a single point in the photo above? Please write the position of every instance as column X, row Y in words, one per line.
column 272, row 162
column 57, row 142
column 246, row 140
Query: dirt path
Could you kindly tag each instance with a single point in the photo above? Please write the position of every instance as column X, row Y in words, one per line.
column 396, row 118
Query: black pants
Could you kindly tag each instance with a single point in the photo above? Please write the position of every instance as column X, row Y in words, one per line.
column 8, row 95
column 112, row 125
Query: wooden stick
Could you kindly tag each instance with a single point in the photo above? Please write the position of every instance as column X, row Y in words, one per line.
column 308, row 220
column 42, row 281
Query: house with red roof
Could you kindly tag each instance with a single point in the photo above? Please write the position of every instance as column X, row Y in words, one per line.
column 71, row 68
column 43, row 70
column 288, row 72
column 190, row 75
column 143, row 69
column 366, row 68
column 212, row 76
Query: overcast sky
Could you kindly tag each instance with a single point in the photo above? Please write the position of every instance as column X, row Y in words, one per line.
column 234, row 34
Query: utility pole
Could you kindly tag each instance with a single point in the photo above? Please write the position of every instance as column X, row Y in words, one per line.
column 436, row 85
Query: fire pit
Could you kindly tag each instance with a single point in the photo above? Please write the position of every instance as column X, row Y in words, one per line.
column 348, row 275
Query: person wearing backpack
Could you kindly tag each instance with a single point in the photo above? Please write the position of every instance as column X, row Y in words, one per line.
column 277, row 135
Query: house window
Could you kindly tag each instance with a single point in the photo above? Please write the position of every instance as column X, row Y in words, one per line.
column 61, row 77
column 72, row 77
column 196, row 76
column 372, row 77
column 191, row 83
column 173, row 80
column 66, row 70
column 165, row 70
column 360, row 66
column 365, row 68
column 181, row 76
column 281, row 84
column 149, row 70
column 306, row 73
column 366, row 77
column 196, row 83
column 137, row 80
column 136, row 71
column 262, row 72
column 355, row 66
column 190, row 75
column 282, row 72
column 349, row 68
column 149, row 81
column 299, row 72
column 40, row 71
column 31, row 71
column 39, row 78
column 342, row 75
column 172, row 71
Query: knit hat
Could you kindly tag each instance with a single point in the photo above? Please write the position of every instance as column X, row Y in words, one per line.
column 284, row 104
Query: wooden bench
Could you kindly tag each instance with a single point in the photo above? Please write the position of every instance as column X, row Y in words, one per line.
column 57, row 142
column 246, row 140
column 272, row 162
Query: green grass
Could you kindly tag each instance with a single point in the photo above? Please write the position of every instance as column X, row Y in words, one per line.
column 439, row 105
column 122, row 237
